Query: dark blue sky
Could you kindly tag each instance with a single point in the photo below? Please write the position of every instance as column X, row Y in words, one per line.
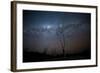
column 39, row 30
column 53, row 18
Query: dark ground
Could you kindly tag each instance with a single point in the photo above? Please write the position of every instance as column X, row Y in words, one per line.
column 39, row 57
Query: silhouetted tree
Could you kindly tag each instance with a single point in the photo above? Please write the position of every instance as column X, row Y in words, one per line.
column 61, row 34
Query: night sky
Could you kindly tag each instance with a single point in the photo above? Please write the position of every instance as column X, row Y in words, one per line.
column 40, row 32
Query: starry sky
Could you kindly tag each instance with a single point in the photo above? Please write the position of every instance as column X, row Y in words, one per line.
column 40, row 31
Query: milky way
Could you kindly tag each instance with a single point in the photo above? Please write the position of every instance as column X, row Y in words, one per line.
column 41, row 33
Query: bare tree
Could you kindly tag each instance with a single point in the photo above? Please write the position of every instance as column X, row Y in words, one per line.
column 62, row 34
column 61, row 37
